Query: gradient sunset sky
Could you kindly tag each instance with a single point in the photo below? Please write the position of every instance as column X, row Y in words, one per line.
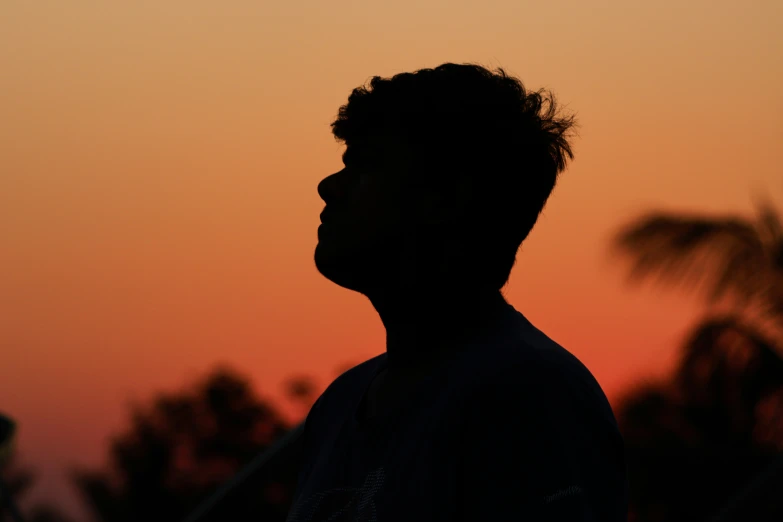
column 159, row 162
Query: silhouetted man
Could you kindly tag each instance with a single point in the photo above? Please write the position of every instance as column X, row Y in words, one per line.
column 471, row 414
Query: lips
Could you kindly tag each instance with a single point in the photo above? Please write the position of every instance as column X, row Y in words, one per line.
column 327, row 216
column 323, row 231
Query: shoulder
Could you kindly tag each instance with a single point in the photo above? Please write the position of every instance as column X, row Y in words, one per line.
column 532, row 405
column 524, row 369
column 348, row 386
column 334, row 406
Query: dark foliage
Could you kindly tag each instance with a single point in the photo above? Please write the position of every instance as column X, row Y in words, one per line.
column 707, row 444
column 182, row 448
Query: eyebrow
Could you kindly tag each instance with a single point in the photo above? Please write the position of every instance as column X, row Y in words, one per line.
column 358, row 154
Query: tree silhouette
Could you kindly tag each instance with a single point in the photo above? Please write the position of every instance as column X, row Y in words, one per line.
column 703, row 434
column 181, row 448
column 303, row 391
column 700, row 436
column 17, row 480
column 46, row 513
column 723, row 256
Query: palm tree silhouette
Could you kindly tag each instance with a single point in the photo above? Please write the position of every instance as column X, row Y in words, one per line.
column 702, row 435
column 728, row 258
column 731, row 361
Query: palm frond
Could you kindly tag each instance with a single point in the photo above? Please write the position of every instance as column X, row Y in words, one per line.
column 768, row 222
column 732, row 369
column 721, row 254
column 770, row 227
column 730, row 345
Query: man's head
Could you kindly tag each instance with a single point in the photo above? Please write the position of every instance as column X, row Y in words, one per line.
column 444, row 167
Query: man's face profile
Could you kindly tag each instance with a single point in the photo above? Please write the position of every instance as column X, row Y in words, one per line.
column 367, row 206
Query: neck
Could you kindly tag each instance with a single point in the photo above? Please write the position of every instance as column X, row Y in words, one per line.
column 423, row 327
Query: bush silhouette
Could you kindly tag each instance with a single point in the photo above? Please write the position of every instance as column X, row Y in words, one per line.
column 177, row 451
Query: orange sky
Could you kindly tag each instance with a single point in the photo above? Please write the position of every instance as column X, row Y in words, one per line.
column 159, row 163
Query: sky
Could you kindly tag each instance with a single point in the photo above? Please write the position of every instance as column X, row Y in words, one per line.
column 159, row 163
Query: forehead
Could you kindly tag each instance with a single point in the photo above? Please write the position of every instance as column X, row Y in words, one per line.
column 381, row 148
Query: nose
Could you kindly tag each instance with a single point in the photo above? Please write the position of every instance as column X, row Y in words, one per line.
column 332, row 187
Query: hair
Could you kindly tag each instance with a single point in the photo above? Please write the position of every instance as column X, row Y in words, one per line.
column 465, row 119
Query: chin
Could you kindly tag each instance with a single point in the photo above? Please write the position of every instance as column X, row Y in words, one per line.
column 337, row 267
